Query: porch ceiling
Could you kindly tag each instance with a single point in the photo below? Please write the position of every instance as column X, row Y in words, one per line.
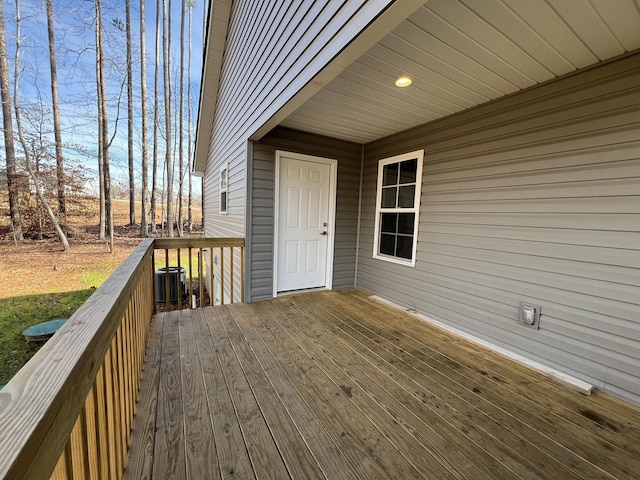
column 462, row 53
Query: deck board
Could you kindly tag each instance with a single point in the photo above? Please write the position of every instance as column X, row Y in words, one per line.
column 169, row 452
column 200, row 453
column 336, row 385
column 232, row 456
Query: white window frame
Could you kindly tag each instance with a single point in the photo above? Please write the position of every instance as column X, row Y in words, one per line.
column 419, row 156
column 224, row 188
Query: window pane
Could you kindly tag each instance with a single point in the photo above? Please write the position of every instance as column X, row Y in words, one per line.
column 387, row 244
column 389, row 222
column 223, row 201
column 390, row 174
column 389, row 197
column 404, row 248
column 406, row 196
column 223, row 178
column 406, row 222
column 408, row 171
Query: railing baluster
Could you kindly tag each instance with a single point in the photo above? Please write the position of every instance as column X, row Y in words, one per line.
column 68, row 458
column 127, row 370
column 82, row 457
column 212, row 288
column 179, row 283
column 153, row 277
column 231, row 286
column 120, row 398
column 60, row 470
column 201, row 276
column 102, row 429
column 190, row 278
column 112, row 422
column 222, row 275
column 242, row 274
column 167, row 281
column 89, row 414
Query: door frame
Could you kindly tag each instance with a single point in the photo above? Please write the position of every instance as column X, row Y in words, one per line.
column 331, row 222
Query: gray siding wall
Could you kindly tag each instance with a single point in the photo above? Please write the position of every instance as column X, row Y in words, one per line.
column 535, row 197
column 349, row 157
column 273, row 49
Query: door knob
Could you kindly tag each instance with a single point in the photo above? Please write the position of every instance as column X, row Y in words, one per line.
column 323, row 233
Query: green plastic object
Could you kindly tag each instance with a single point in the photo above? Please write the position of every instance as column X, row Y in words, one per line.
column 44, row 330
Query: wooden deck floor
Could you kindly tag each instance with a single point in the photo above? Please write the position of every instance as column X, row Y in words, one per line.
column 335, row 385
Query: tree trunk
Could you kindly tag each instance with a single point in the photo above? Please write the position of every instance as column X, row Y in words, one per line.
column 10, row 152
column 103, row 126
column 181, row 122
column 143, row 93
column 189, row 126
column 102, row 229
column 156, row 112
column 57, row 130
column 166, row 41
column 132, row 185
column 23, row 142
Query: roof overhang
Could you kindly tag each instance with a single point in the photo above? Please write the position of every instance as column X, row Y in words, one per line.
column 215, row 40
column 459, row 54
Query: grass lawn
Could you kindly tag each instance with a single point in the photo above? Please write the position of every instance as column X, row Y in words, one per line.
column 18, row 313
column 41, row 282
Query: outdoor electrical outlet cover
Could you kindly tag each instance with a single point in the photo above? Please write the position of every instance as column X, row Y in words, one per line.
column 530, row 315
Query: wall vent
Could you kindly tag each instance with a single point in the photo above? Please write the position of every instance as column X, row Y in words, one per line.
column 529, row 315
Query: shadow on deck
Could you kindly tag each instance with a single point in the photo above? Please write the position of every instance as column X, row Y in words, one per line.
column 335, row 385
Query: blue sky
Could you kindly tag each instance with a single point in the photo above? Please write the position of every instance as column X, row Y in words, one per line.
column 74, row 20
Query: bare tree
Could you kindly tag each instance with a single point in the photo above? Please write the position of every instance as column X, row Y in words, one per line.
column 53, row 65
column 156, row 126
column 190, row 4
column 7, row 120
column 143, row 94
column 183, row 4
column 25, row 146
column 103, row 128
column 132, row 185
column 166, row 42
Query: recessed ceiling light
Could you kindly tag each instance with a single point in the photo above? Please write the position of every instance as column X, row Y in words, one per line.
column 403, row 81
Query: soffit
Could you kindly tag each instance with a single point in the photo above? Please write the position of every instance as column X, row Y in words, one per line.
column 462, row 53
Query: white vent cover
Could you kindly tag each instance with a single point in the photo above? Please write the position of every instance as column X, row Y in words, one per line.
column 529, row 315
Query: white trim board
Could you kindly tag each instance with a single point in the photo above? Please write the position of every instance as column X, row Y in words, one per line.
column 564, row 378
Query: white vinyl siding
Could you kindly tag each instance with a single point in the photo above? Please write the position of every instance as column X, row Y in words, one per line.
column 535, row 198
column 273, row 49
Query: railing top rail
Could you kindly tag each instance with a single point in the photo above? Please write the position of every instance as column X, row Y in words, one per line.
column 39, row 406
column 160, row 243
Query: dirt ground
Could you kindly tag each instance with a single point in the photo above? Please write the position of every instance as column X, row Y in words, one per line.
column 41, row 266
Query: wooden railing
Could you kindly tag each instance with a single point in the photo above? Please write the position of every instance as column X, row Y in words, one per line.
column 211, row 261
column 68, row 412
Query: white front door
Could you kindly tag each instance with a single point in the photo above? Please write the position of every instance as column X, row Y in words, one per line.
column 304, row 222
